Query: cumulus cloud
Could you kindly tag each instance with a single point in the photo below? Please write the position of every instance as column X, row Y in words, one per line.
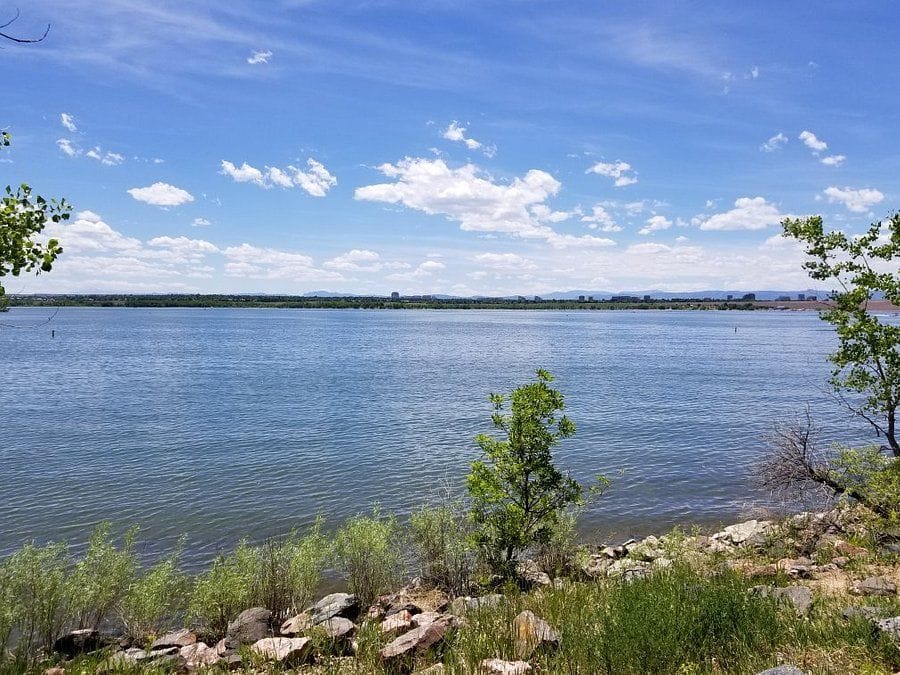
column 356, row 260
column 424, row 270
column 503, row 261
column 457, row 133
column 655, row 224
column 811, row 141
column 858, row 201
column 749, row 213
column 201, row 222
column 68, row 121
column 471, row 198
column 600, row 219
column 162, row 195
column 315, row 181
column 67, row 148
column 776, row 142
column 620, row 171
column 833, row 160
column 106, row 158
column 258, row 57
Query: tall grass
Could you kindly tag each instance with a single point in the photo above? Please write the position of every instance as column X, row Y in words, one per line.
column 368, row 553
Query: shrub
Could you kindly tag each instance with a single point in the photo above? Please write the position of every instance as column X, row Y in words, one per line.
column 225, row 590
column 559, row 553
column 155, row 600
column 36, row 595
column 367, row 554
column 442, row 537
column 102, row 577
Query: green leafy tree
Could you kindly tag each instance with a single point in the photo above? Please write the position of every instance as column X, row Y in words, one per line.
column 867, row 360
column 518, row 494
column 22, row 219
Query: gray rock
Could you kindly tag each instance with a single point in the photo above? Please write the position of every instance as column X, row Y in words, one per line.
column 890, row 626
column 81, row 641
column 531, row 574
column 501, row 667
column 283, row 649
column 874, row 586
column 799, row 597
column 629, row 570
column 398, row 623
column 462, row 605
column 338, row 628
column 296, row 625
column 783, row 670
column 415, row 642
column 198, row 655
column 337, row 604
column 868, row 613
column 742, row 532
column 250, row 626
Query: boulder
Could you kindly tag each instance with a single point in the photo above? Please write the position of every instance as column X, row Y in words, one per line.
column 750, row 532
column 596, row 565
column 283, row 649
column 874, row 586
column 81, row 641
column 783, row 670
column 629, row 570
column 415, row 642
column 178, row 638
column 296, row 625
column 436, row 669
column 501, row 667
column 532, row 633
column 198, row 655
column 460, row 606
column 531, row 575
column 425, row 618
column 338, row 628
column 337, row 604
column 250, row 626
column 397, row 623
column 648, row 550
column 890, row 627
column 799, row 597
column 867, row 613
column 849, row 550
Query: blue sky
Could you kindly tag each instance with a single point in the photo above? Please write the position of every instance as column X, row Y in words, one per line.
column 448, row 147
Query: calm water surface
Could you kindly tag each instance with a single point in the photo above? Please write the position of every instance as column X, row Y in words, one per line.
column 225, row 423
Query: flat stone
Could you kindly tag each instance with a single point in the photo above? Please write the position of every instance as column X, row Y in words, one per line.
column 874, row 586
column 283, row 649
column 532, row 633
column 531, row 574
column 198, row 655
column 415, row 642
column 296, row 625
column 742, row 532
column 799, row 597
column 783, row 670
column 337, row 604
column 425, row 618
column 178, row 638
column 397, row 623
column 250, row 626
column 501, row 667
column 867, row 613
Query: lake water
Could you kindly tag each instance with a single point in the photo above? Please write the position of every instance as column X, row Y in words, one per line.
column 220, row 424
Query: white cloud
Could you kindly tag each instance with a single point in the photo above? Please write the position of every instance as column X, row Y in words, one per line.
column 424, row 270
column 600, row 219
column 471, row 198
column 857, row 201
column 680, row 239
column 356, row 260
column 107, row 158
column 833, row 160
column 68, row 121
column 618, row 170
column 65, row 145
column 201, row 222
column 503, row 261
column 655, row 224
column 258, row 57
column 749, row 213
column 162, row 195
column 754, row 72
column 812, row 142
column 776, row 142
column 455, row 132
column 316, row 181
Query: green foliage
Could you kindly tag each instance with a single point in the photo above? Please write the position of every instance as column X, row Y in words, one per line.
column 225, row 590
column 155, row 600
column 442, row 537
column 36, row 596
column 367, row 553
column 100, row 580
column 871, row 477
column 867, row 361
column 22, row 219
column 517, row 491
column 560, row 552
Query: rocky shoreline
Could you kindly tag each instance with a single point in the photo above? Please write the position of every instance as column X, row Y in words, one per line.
column 793, row 562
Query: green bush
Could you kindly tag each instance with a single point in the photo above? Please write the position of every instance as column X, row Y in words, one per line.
column 442, row 538
column 156, row 600
column 100, row 580
column 36, row 596
column 367, row 553
column 560, row 552
column 227, row 589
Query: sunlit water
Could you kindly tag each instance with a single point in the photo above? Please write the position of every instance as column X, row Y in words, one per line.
column 220, row 424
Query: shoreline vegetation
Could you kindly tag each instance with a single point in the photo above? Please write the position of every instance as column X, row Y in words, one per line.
column 417, row 302
column 816, row 591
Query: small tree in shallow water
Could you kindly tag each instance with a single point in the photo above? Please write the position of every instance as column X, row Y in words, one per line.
column 518, row 493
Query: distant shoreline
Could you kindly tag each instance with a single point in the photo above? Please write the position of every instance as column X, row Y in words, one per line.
column 416, row 302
